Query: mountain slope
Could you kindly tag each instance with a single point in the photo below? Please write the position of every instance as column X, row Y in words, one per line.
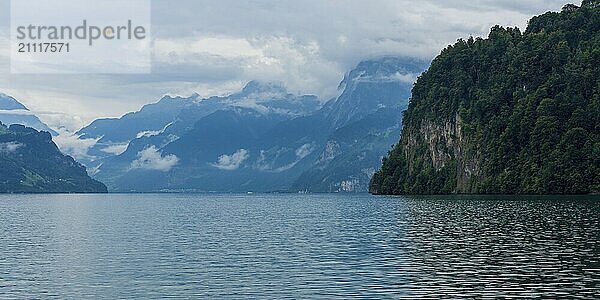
column 31, row 163
column 352, row 154
column 9, row 103
column 13, row 112
column 364, row 122
column 512, row 114
column 373, row 84
column 113, row 135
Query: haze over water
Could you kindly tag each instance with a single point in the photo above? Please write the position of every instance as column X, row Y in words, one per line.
column 297, row 246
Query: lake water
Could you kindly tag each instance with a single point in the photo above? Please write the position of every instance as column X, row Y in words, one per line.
column 297, row 246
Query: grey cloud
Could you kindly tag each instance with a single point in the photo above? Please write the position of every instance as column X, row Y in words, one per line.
column 306, row 44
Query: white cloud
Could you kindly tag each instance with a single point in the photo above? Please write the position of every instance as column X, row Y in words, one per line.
column 185, row 49
column 9, row 147
column 151, row 133
column 406, row 78
column 152, row 159
column 301, row 153
column 231, row 162
column 298, row 64
column 71, row 144
column 398, row 76
column 115, row 149
column 61, row 120
column 19, row 112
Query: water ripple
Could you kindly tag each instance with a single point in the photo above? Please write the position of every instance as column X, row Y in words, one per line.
column 298, row 246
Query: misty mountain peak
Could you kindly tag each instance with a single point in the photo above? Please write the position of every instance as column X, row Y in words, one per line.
column 375, row 84
column 388, row 68
column 257, row 87
column 169, row 99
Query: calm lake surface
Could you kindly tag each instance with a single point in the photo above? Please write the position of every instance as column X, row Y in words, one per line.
column 298, row 246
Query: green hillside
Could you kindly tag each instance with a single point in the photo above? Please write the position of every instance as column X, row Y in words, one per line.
column 31, row 163
column 516, row 113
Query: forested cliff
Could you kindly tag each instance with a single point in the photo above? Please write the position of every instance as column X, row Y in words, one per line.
column 516, row 113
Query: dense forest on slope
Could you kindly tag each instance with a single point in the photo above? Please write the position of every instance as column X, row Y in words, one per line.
column 516, row 113
column 31, row 163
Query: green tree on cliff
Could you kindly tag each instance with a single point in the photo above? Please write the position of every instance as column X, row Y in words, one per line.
column 516, row 113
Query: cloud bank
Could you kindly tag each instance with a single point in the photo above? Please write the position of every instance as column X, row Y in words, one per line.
column 71, row 144
column 214, row 47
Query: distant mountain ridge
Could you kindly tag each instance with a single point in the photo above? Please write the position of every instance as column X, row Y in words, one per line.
column 383, row 81
column 32, row 163
column 14, row 112
column 172, row 116
column 9, row 103
column 262, row 138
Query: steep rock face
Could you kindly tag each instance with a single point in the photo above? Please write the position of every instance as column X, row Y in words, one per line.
column 365, row 120
column 512, row 114
column 374, row 84
column 352, row 153
column 31, row 163
column 445, row 147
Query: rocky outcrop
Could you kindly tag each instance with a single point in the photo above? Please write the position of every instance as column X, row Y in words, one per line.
column 445, row 146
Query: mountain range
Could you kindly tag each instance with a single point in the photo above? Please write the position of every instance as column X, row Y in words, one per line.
column 262, row 138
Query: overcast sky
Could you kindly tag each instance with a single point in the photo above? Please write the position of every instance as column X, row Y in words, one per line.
column 214, row 47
